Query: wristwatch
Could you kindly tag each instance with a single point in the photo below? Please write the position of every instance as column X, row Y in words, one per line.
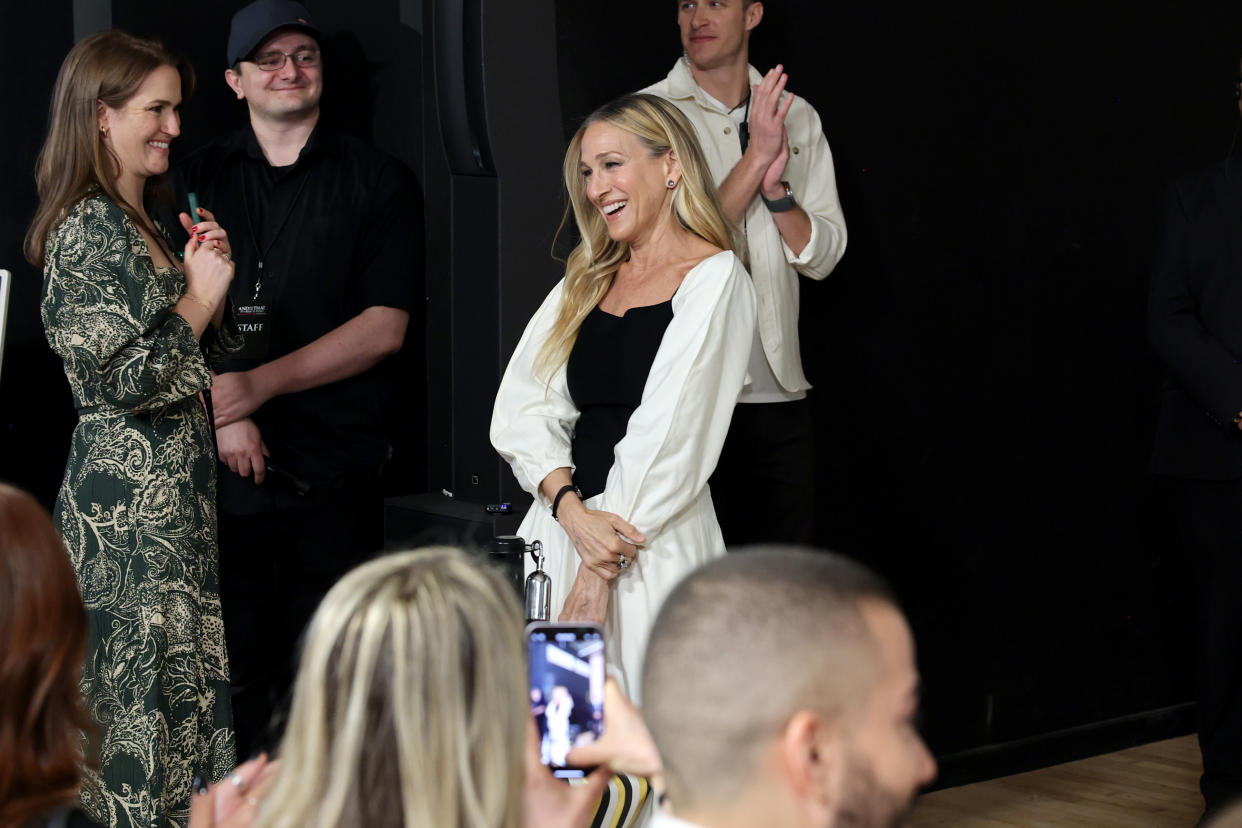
column 781, row 205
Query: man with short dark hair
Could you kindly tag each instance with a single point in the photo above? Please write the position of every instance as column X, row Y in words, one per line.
column 767, row 152
column 781, row 690
column 326, row 231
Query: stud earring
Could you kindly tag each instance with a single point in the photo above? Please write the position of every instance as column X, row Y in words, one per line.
column 103, row 131
column 671, row 183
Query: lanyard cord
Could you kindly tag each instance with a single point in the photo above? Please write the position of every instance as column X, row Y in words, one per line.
column 743, row 129
column 743, row 136
column 254, row 237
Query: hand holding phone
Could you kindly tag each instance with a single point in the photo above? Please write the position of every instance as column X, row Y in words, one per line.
column 551, row 803
column 626, row 746
column 567, row 672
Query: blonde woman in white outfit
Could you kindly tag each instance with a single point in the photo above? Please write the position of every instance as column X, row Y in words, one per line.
column 617, row 400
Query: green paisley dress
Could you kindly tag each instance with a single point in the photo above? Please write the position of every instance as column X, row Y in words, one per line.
column 137, row 510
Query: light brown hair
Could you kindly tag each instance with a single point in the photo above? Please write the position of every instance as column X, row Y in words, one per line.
column 42, row 651
column 107, row 67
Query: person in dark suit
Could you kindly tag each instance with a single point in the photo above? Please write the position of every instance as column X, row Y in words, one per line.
column 1195, row 326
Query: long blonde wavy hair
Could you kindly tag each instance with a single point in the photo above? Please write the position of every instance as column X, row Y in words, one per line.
column 410, row 702
column 593, row 264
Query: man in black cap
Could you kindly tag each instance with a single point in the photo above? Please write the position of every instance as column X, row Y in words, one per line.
column 327, row 235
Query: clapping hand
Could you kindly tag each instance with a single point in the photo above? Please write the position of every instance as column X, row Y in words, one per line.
column 768, row 137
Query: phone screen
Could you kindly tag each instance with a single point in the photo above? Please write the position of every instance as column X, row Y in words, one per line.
column 566, row 690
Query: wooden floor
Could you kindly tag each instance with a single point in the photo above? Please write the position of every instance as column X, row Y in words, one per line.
column 1152, row 786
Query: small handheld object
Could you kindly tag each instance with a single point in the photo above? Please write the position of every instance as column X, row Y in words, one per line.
column 193, row 199
column 567, row 672
column 287, row 479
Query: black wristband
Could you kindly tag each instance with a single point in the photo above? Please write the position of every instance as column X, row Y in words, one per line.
column 556, row 501
column 780, row 205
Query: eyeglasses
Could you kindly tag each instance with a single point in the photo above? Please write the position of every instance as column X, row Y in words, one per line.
column 302, row 58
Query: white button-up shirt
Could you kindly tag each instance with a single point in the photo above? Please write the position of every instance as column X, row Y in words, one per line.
column 774, row 268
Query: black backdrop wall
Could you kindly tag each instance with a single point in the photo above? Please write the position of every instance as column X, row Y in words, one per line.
column 984, row 395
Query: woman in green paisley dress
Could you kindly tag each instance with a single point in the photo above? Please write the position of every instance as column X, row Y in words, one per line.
column 137, row 505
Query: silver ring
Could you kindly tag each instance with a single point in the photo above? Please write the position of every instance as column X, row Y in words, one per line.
column 237, row 781
column 623, row 562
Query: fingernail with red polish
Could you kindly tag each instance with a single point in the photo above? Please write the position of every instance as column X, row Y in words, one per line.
column 202, row 238
column 194, row 229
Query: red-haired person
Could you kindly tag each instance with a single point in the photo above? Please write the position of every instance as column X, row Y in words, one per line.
column 42, row 648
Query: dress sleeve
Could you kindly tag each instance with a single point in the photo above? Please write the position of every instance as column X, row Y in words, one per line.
column 674, row 437
column 533, row 418
column 96, row 293
column 221, row 343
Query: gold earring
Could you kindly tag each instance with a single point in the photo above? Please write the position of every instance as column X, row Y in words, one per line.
column 104, row 130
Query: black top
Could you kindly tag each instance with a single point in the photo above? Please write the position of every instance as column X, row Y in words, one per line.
column 337, row 232
column 606, row 373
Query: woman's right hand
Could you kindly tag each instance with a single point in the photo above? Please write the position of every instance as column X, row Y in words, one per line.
column 208, row 272
column 626, row 746
column 550, row 803
column 597, row 536
column 235, row 804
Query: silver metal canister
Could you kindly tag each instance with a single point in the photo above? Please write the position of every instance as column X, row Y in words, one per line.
column 538, row 588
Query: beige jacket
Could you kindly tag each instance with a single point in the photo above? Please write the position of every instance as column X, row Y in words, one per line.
column 773, row 266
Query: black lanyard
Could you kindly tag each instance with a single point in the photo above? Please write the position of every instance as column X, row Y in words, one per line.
column 254, row 237
column 743, row 129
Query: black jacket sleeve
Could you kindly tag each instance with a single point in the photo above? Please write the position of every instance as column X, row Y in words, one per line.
column 1197, row 359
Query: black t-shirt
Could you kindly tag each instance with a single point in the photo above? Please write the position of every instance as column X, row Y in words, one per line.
column 337, row 232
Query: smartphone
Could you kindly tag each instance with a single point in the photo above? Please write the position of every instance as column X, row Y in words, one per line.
column 566, row 690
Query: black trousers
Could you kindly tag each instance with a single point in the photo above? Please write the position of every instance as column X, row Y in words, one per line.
column 763, row 487
column 275, row 567
column 1210, row 524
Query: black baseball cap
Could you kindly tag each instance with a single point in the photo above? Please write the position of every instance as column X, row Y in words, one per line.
column 258, row 20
